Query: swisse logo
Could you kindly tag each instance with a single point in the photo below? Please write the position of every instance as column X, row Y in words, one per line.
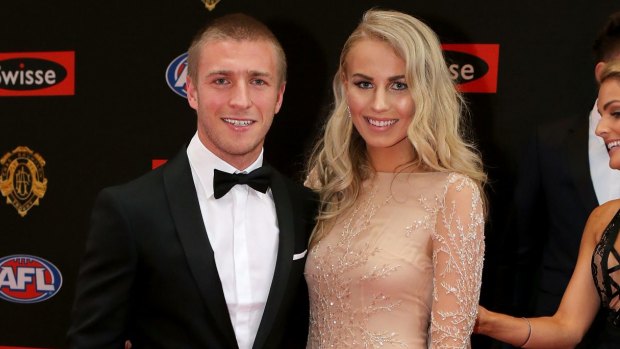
column 37, row 73
column 176, row 75
column 30, row 74
column 155, row 163
column 473, row 66
column 465, row 67
column 28, row 279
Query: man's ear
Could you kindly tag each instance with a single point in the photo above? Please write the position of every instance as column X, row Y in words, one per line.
column 192, row 94
column 280, row 97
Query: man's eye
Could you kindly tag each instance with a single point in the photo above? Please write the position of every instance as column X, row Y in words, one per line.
column 259, row 82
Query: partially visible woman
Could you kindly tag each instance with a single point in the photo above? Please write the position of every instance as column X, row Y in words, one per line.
column 396, row 257
column 596, row 278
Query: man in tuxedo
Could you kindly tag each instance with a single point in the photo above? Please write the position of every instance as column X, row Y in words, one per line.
column 565, row 174
column 207, row 251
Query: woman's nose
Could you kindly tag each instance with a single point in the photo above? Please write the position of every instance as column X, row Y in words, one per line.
column 380, row 102
column 602, row 127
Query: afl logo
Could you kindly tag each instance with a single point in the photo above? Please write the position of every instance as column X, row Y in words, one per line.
column 28, row 279
column 176, row 75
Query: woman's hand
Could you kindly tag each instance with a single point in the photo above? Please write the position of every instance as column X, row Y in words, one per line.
column 482, row 316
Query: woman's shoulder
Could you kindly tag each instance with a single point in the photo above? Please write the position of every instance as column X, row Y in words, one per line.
column 459, row 181
column 601, row 216
column 441, row 177
column 610, row 205
column 447, row 185
column 440, row 180
column 606, row 211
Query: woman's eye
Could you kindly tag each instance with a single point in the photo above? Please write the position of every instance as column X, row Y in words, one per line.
column 363, row 84
column 398, row 85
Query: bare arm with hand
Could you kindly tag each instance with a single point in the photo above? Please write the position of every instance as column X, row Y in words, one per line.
column 579, row 306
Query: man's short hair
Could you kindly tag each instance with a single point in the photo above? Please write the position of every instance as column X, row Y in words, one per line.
column 607, row 43
column 238, row 27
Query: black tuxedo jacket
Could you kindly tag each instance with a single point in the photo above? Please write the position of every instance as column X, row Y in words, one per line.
column 554, row 197
column 149, row 273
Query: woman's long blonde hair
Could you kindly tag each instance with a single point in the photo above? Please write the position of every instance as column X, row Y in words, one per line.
column 339, row 162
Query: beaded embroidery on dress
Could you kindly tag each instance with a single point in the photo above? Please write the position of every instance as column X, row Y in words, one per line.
column 402, row 268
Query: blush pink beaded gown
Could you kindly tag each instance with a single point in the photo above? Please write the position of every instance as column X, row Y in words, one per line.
column 402, row 268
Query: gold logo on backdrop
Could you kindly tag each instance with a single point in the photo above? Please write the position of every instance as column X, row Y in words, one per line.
column 210, row 4
column 22, row 181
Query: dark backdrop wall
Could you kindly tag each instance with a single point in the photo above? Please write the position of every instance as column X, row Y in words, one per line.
column 120, row 113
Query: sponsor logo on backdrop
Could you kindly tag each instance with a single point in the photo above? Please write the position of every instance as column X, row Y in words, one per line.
column 22, row 180
column 28, row 279
column 155, row 163
column 210, row 4
column 473, row 66
column 176, row 75
column 37, row 73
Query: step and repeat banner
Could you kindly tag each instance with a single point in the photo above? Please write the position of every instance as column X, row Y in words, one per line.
column 92, row 94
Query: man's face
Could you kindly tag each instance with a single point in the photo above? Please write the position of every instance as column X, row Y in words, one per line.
column 236, row 93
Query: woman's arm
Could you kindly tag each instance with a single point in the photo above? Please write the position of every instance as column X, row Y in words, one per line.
column 508, row 329
column 579, row 306
column 458, row 253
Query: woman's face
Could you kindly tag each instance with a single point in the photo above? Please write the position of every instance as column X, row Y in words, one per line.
column 379, row 98
column 608, row 127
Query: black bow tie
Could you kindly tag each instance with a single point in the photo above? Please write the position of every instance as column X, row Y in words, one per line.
column 258, row 179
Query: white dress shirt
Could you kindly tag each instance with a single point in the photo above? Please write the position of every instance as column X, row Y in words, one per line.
column 242, row 228
column 605, row 179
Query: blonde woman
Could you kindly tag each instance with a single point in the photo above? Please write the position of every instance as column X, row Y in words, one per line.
column 596, row 278
column 396, row 257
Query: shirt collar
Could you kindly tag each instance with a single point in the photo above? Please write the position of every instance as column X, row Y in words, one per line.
column 203, row 162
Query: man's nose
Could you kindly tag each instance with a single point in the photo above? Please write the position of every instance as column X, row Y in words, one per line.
column 240, row 97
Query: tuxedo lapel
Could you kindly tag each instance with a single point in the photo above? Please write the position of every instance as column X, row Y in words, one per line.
column 578, row 161
column 187, row 217
column 282, row 273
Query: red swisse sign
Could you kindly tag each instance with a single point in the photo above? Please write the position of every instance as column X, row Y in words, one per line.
column 37, row 73
column 473, row 66
column 155, row 163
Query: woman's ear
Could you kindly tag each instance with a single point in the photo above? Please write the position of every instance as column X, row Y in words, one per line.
column 598, row 69
column 343, row 78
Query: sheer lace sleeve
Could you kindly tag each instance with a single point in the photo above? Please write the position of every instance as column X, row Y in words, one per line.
column 458, row 253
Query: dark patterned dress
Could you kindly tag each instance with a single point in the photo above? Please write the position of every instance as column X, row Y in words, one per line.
column 606, row 273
